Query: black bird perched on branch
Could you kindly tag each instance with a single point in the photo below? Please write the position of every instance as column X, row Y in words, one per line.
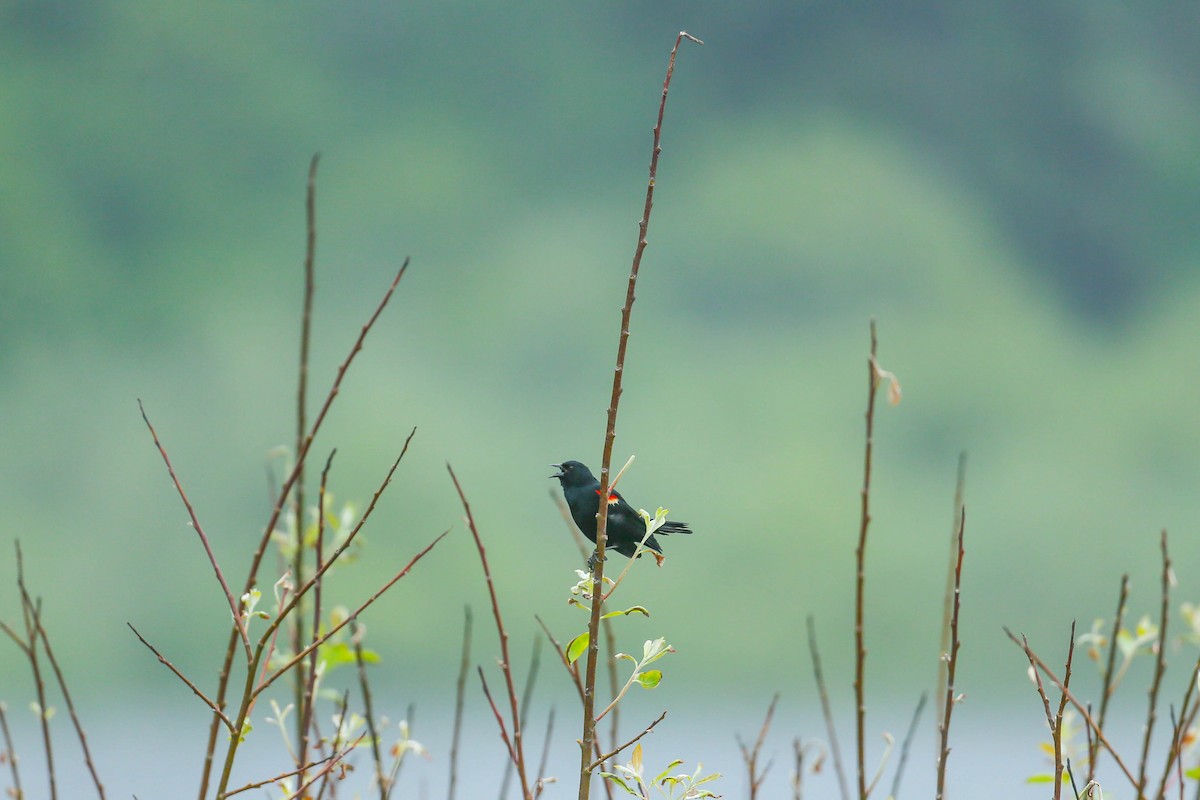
column 625, row 526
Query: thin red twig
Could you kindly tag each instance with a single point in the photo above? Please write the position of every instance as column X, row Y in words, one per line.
column 952, row 663
column 617, row 751
column 750, row 755
column 860, row 580
column 588, row 739
column 459, row 694
column 195, row 689
column 1160, row 665
column 516, row 750
column 234, row 606
column 1107, row 690
column 827, row 710
column 303, row 697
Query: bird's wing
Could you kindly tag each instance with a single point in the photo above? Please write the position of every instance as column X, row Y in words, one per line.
column 619, row 509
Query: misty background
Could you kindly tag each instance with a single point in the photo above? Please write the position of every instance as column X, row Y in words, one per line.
column 1011, row 191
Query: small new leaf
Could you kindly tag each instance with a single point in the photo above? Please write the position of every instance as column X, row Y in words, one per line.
column 577, row 647
column 650, row 678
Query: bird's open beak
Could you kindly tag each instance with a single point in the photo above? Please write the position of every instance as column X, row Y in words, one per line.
column 559, row 473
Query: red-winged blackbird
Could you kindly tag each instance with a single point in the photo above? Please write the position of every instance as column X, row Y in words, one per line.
column 625, row 526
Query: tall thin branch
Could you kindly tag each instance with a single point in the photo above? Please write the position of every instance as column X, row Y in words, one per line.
column 302, row 699
column 906, row 745
column 517, row 750
column 62, row 686
column 364, row 684
column 1107, row 679
column 1058, row 718
column 826, row 710
column 545, row 759
column 610, row 636
column 860, row 579
column 587, row 741
column 31, row 610
column 195, row 689
column 1160, row 664
column 459, row 694
column 10, row 752
column 234, row 605
column 535, row 661
column 305, row 708
column 960, row 490
column 952, row 662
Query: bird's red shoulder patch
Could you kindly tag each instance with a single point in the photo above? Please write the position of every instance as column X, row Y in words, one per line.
column 612, row 498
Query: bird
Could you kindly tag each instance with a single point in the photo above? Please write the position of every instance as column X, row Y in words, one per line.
column 626, row 528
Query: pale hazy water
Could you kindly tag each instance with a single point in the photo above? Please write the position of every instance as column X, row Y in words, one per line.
column 155, row 752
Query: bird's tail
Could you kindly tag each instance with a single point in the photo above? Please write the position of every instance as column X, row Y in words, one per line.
column 673, row 527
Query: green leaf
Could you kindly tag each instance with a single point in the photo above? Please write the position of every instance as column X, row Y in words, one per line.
column 662, row 776
column 617, row 780
column 1040, row 779
column 1193, row 773
column 626, row 612
column 650, row 678
column 577, row 647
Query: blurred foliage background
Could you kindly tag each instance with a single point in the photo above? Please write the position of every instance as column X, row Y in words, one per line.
column 1012, row 191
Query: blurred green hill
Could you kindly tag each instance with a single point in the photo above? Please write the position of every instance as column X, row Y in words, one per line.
column 1011, row 191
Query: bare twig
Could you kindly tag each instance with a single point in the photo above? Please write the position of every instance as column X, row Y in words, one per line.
column 826, row 711
column 281, row 776
column 617, row 751
column 62, row 685
column 516, row 750
column 303, row 698
column 1160, row 664
column 10, row 752
column 904, row 747
column 860, row 579
column 337, row 741
column 535, row 660
column 1071, row 776
column 799, row 750
column 508, row 743
column 195, row 689
column 356, row 634
column 31, row 611
column 1058, row 718
column 541, row 770
column 750, row 754
column 1176, row 734
column 281, row 501
column 952, row 662
column 460, row 690
column 593, row 650
column 1107, row 692
column 234, row 606
column 960, row 489
column 305, row 708
column 1041, row 666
